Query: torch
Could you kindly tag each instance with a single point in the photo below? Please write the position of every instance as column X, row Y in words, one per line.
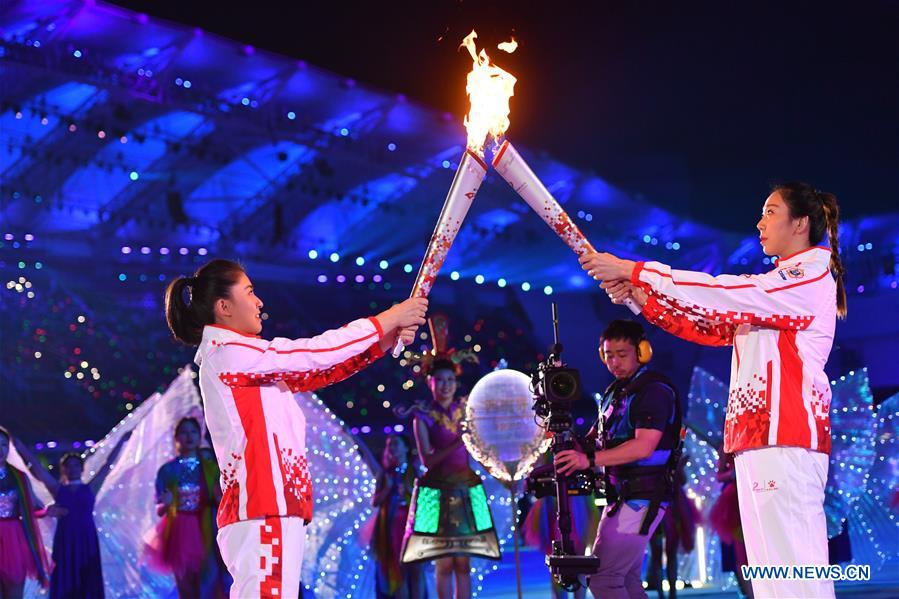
column 512, row 167
column 469, row 176
column 489, row 88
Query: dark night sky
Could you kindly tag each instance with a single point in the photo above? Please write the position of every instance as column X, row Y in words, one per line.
column 696, row 105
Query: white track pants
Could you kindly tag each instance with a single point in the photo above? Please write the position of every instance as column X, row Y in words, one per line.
column 781, row 493
column 264, row 557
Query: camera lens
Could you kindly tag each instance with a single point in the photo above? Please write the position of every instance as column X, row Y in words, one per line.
column 563, row 385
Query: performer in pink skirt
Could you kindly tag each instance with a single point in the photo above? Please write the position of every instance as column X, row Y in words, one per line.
column 187, row 497
column 22, row 553
column 396, row 481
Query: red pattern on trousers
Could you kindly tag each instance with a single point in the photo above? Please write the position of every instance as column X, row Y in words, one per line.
column 270, row 535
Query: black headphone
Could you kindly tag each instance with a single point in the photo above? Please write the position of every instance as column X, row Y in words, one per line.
column 644, row 350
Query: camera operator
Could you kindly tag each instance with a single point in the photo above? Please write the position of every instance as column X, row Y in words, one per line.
column 638, row 436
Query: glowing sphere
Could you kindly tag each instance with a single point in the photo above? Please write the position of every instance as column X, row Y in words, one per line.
column 500, row 431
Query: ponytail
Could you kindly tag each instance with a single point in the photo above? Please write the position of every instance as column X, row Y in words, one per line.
column 823, row 214
column 187, row 317
column 832, row 220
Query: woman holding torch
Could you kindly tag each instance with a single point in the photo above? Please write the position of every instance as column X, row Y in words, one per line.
column 257, row 427
column 781, row 326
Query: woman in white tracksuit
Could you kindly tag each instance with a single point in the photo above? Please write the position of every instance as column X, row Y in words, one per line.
column 257, row 427
column 781, row 326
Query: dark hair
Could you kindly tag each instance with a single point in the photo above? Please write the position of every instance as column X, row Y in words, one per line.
column 823, row 214
column 407, row 441
column 6, row 434
column 213, row 281
column 443, row 364
column 402, row 437
column 186, row 420
column 624, row 329
column 69, row 456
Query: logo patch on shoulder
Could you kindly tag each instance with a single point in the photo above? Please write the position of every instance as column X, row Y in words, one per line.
column 793, row 272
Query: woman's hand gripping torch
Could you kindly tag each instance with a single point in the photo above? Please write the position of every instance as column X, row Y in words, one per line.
column 512, row 167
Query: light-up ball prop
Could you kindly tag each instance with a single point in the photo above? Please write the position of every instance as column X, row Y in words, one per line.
column 499, row 430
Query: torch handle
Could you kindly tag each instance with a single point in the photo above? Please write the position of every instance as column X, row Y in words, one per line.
column 631, row 304
column 398, row 347
column 512, row 167
column 465, row 185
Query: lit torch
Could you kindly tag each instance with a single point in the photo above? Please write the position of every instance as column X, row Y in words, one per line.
column 489, row 88
column 512, row 167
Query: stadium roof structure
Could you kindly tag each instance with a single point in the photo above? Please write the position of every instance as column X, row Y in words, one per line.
column 121, row 131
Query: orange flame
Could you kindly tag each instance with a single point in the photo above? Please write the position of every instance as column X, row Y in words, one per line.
column 509, row 46
column 489, row 88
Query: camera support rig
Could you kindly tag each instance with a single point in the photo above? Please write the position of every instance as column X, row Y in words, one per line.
column 556, row 387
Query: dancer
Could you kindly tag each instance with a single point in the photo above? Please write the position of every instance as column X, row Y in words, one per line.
column 450, row 519
column 725, row 520
column 396, row 479
column 781, row 325
column 77, row 565
column 257, row 427
column 187, row 496
column 640, row 422
column 22, row 552
column 678, row 529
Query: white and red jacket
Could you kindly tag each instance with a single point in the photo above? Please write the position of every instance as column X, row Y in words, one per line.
column 781, row 326
column 258, row 429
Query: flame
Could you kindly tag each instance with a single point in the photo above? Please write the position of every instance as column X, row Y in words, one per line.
column 509, row 46
column 489, row 89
